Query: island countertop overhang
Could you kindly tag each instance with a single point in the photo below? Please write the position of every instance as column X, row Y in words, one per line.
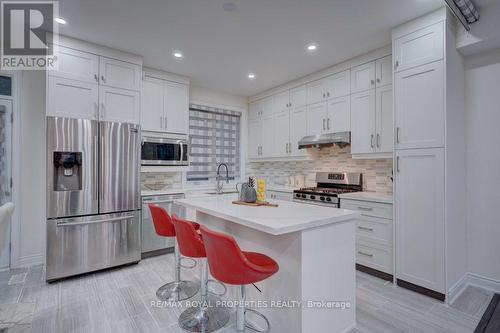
column 288, row 217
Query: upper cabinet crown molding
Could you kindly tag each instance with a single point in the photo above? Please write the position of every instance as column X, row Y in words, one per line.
column 157, row 74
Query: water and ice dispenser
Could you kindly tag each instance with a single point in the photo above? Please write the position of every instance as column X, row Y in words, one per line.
column 67, row 171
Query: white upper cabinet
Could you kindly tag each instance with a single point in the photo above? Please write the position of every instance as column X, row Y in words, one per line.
column 298, row 97
column 281, row 101
column 383, row 71
column 298, row 130
column 363, row 122
column 76, row 65
column 316, row 118
column 254, row 138
column 316, row 91
column 268, row 129
column 419, row 47
column 419, row 101
column 420, row 217
column 384, row 120
column 339, row 115
column 119, row 105
column 254, row 110
column 152, row 115
column 73, row 99
column 281, row 133
column 363, row 77
column 267, row 106
column 119, row 74
column 176, row 107
column 339, row 84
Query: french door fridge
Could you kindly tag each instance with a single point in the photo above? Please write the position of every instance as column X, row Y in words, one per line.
column 93, row 195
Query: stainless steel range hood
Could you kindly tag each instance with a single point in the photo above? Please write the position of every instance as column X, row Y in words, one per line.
column 340, row 139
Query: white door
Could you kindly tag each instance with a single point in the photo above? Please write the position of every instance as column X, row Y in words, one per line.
column 316, row 91
column 268, row 129
column 119, row 74
column 119, row 105
column 72, row 99
column 316, row 118
column 176, row 107
column 254, row 138
column 281, row 101
column 363, row 77
column 5, row 175
column 383, row 71
column 152, row 116
column 298, row 130
column 384, row 125
column 419, row 48
column 419, row 212
column 76, row 65
column 298, row 97
column 339, row 115
column 282, row 134
column 363, row 122
column 419, row 102
column 339, row 84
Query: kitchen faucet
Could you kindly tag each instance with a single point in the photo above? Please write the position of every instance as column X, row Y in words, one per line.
column 219, row 178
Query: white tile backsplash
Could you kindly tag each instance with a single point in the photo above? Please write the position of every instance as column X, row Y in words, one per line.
column 157, row 181
column 377, row 173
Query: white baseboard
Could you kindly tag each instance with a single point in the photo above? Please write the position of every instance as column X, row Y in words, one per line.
column 29, row 261
column 472, row 279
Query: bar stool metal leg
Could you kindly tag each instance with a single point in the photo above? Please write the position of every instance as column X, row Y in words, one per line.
column 204, row 318
column 178, row 290
column 242, row 323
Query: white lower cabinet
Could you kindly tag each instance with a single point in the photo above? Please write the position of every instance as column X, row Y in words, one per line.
column 374, row 234
column 72, row 99
column 420, row 215
column 119, row 105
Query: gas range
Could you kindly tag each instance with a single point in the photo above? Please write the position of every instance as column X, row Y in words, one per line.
column 329, row 186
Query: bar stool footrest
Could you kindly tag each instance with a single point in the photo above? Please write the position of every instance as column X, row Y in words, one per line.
column 254, row 329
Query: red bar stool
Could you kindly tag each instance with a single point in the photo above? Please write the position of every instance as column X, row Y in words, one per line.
column 177, row 290
column 230, row 265
column 201, row 318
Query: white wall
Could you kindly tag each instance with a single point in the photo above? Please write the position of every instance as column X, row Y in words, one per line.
column 199, row 94
column 32, row 175
column 483, row 163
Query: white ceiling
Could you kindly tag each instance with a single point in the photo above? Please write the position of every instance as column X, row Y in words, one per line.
column 267, row 37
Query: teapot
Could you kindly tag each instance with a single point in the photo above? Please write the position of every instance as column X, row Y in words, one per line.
column 246, row 193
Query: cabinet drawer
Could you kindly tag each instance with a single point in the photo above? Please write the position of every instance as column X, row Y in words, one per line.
column 376, row 257
column 367, row 208
column 375, row 229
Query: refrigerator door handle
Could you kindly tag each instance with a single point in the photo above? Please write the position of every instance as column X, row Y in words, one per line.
column 120, row 218
column 96, row 167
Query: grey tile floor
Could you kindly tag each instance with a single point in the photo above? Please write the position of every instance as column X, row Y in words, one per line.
column 119, row 300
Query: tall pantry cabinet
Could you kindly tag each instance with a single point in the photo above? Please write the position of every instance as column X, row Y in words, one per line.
column 429, row 172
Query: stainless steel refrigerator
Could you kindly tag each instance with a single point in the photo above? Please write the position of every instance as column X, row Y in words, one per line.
column 93, row 195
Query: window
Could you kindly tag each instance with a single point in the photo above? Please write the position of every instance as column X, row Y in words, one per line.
column 5, row 85
column 214, row 136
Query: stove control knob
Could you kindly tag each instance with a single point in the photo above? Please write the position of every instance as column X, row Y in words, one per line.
column 328, row 199
column 312, row 197
column 297, row 195
column 322, row 198
column 303, row 196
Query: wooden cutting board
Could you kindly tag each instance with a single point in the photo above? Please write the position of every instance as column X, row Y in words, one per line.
column 255, row 204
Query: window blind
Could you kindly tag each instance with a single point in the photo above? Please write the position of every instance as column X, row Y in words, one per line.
column 214, row 136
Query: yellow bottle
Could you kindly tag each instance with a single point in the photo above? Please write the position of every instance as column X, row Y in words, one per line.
column 261, row 190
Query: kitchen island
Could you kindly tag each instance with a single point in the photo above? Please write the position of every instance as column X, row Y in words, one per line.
column 314, row 289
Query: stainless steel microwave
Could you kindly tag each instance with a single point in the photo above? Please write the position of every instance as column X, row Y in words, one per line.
column 163, row 150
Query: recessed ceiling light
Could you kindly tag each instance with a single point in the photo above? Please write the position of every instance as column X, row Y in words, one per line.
column 312, row 47
column 251, row 76
column 60, row 20
column 229, row 7
column 178, row 54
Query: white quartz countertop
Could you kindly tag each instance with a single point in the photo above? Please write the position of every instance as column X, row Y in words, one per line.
column 147, row 193
column 288, row 217
column 367, row 196
column 279, row 188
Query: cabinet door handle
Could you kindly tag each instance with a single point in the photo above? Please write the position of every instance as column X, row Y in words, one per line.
column 328, row 123
column 378, row 80
column 397, row 164
column 371, row 140
column 290, row 147
column 324, row 124
column 328, row 94
column 165, row 123
column 323, row 95
column 365, row 228
column 365, row 254
column 96, row 78
column 103, row 79
column 96, row 110
column 396, row 64
column 397, row 134
column 372, row 82
column 103, row 109
column 378, row 140
column 366, row 209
